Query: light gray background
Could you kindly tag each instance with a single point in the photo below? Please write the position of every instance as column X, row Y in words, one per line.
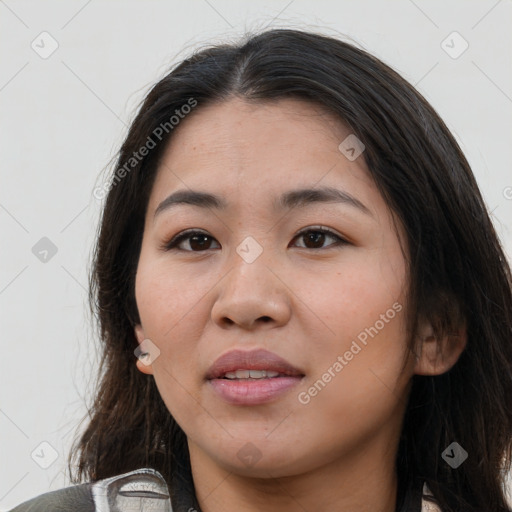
column 64, row 116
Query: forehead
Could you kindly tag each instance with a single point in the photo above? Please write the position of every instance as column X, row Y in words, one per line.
column 239, row 148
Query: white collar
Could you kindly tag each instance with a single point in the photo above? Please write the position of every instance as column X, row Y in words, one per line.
column 427, row 506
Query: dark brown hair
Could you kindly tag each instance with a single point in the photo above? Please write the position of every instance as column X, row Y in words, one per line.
column 457, row 269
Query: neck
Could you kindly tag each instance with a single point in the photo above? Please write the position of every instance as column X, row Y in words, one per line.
column 366, row 483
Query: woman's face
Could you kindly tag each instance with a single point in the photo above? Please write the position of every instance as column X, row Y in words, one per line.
column 258, row 273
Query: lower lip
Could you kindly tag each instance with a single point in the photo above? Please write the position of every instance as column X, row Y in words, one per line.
column 253, row 392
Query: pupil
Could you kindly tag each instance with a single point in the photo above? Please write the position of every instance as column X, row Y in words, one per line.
column 316, row 237
column 201, row 244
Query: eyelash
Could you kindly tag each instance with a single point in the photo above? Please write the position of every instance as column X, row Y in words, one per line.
column 175, row 241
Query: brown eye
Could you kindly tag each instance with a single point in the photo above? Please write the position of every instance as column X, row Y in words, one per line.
column 197, row 241
column 315, row 238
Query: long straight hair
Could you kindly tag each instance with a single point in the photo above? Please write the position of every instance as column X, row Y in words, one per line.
column 457, row 270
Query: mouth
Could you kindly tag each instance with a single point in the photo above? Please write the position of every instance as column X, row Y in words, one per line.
column 252, row 377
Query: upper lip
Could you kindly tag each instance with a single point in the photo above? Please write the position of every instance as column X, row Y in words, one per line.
column 259, row 359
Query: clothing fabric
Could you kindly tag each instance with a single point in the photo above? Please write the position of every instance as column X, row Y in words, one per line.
column 146, row 490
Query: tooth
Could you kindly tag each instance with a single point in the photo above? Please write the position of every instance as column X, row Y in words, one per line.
column 257, row 374
column 251, row 374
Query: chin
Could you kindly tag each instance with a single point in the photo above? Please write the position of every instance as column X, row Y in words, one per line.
column 258, row 459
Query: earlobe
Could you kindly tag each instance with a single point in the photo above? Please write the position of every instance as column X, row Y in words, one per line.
column 437, row 356
column 148, row 370
column 142, row 366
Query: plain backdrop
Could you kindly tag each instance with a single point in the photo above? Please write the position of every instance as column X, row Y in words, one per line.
column 72, row 74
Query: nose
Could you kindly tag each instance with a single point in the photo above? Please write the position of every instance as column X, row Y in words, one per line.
column 251, row 295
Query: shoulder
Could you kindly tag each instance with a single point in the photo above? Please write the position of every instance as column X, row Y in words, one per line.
column 135, row 490
column 76, row 498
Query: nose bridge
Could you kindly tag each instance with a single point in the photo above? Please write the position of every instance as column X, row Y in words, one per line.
column 250, row 278
column 251, row 291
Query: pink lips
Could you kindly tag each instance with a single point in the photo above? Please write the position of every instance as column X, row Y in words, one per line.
column 252, row 391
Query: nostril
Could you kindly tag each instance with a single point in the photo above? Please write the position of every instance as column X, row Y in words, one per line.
column 229, row 321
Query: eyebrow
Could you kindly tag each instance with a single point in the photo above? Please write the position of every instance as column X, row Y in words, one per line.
column 288, row 200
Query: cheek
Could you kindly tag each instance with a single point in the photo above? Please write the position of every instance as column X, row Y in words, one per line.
column 346, row 300
column 362, row 311
column 168, row 306
column 357, row 389
column 167, row 298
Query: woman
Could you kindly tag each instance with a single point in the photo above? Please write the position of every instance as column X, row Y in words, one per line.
column 296, row 251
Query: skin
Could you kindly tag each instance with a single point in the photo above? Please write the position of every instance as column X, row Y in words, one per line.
column 305, row 301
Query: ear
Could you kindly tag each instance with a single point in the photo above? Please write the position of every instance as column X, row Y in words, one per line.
column 142, row 366
column 436, row 356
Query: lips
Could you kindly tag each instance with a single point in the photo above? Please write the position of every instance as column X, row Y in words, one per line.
column 252, row 377
column 241, row 362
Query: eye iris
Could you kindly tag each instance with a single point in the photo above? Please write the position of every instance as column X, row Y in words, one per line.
column 201, row 244
column 315, row 237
